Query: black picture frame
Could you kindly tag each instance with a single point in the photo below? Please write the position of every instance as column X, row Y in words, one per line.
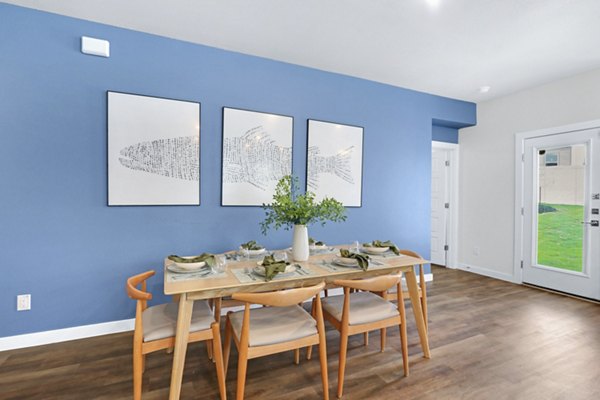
column 330, row 151
column 256, row 151
column 131, row 169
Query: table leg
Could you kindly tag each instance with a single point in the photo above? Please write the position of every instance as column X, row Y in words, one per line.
column 411, row 282
column 184, row 317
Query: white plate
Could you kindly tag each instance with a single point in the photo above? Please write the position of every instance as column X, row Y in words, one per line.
column 260, row 270
column 252, row 252
column 190, row 266
column 315, row 247
column 375, row 250
column 345, row 262
column 175, row 268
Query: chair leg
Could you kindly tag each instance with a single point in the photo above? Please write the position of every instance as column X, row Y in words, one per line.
column 227, row 345
column 366, row 336
column 403, row 336
column 313, row 312
column 138, row 361
column 342, row 363
column 209, row 350
column 383, row 338
column 218, row 359
column 241, row 376
column 297, row 356
column 424, row 307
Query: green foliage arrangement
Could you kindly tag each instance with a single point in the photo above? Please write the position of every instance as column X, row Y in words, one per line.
column 290, row 208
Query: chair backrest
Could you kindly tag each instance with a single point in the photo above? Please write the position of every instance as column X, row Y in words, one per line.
column 282, row 298
column 411, row 253
column 132, row 283
column 376, row 284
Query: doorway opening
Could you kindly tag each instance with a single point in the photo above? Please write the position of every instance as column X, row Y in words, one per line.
column 444, row 204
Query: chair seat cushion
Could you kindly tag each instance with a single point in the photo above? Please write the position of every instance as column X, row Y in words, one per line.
column 160, row 321
column 365, row 307
column 271, row 325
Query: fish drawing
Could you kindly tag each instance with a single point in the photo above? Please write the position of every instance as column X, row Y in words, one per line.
column 255, row 158
column 174, row 158
column 338, row 164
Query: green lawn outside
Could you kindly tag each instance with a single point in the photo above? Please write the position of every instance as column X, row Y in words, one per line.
column 560, row 237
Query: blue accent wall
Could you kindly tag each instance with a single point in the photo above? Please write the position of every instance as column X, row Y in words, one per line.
column 58, row 239
column 444, row 134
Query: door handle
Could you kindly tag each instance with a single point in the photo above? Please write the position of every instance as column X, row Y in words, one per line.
column 591, row 223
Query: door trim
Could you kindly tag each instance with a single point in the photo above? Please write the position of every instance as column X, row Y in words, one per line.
column 519, row 182
column 452, row 220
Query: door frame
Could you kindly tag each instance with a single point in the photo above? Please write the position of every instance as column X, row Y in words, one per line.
column 519, row 183
column 452, row 217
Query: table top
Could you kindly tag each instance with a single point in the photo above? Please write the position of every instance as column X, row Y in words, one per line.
column 315, row 270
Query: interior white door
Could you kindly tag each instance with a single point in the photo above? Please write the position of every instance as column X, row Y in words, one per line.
column 561, row 203
column 439, row 198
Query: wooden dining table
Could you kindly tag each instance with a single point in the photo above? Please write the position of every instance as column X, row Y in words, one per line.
column 238, row 277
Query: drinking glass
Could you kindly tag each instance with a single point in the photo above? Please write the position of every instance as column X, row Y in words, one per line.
column 355, row 247
column 220, row 264
column 246, row 254
column 280, row 256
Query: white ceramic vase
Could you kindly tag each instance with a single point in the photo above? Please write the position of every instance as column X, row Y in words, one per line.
column 300, row 250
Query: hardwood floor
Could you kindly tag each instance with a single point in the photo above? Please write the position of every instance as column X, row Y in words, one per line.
column 489, row 340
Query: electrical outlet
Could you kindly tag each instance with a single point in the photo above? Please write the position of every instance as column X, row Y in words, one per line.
column 475, row 251
column 23, row 302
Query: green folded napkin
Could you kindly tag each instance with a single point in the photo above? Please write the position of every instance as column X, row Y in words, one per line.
column 206, row 257
column 363, row 260
column 380, row 243
column 315, row 242
column 251, row 245
column 273, row 267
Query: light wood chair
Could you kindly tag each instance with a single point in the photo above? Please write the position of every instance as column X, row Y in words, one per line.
column 155, row 330
column 422, row 285
column 281, row 326
column 422, row 289
column 365, row 311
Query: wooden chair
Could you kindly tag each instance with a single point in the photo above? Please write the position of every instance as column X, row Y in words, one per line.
column 364, row 311
column 155, row 330
column 422, row 285
column 422, row 292
column 281, row 326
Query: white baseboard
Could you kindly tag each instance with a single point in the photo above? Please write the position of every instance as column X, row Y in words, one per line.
column 486, row 272
column 86, row 331
column 64, row 335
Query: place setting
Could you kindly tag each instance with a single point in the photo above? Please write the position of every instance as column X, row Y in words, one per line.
column 271, row 267
column 248, row 251
column 205, row 265
column 380, row 248
column 361, row 257
column 317, row 247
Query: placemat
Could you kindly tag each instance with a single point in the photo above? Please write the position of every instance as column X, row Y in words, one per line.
column 332, row 267
column 175, row 277
column 246, row 275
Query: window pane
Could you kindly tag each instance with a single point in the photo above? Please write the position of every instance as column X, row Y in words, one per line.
column 561, row 207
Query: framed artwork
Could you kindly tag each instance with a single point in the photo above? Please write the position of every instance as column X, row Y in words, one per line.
column 334, row 162
column 257, row 153
column 153, row 151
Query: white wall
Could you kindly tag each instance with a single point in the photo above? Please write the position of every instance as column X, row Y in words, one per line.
column 487, row 164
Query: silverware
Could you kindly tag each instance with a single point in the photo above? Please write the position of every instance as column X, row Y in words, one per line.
column 300, row 270
column 248, row 272
column 329, row 265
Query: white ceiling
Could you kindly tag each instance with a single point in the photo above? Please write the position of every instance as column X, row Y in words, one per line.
column 449, row 50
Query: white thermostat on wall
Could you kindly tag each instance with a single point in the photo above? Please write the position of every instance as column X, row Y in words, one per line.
column 96, row 47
